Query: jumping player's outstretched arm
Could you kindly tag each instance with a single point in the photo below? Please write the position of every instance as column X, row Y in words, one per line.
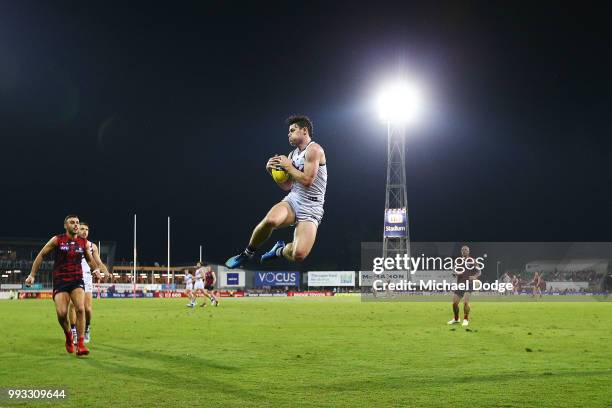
column 49, row 246
column 311, row 166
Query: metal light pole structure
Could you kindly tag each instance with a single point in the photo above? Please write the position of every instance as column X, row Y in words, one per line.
column 398, row 104
column 396, row 203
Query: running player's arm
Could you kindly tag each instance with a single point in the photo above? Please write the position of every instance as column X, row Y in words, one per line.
column 99, row 264
column 49, row 246
column 477, row 274
column 91, row 261
column 311, row 166
column 214, row 278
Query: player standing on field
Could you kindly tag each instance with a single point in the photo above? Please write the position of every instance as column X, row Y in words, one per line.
column 466, row 277
column 536, row 282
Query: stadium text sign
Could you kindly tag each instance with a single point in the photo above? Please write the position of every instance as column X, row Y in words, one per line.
column 396, row 223
column 331, row 278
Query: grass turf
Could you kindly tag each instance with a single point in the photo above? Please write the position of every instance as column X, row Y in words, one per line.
column 314, row 352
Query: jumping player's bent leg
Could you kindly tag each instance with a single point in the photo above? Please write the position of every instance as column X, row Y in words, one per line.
column 280, row 215
column 304, row 238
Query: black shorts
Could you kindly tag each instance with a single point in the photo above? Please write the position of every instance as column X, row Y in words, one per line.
column 462, row 293
column 67, row 286
column 209, row 287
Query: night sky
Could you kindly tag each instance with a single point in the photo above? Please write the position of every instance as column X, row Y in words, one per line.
column 107, row 111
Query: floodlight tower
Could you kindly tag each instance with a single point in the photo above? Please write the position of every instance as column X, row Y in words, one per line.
column 398, row 106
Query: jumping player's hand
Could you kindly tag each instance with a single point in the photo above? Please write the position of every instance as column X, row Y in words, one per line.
column 97, row 273
column 284, row 162
column 29, row 280
column 272, row 163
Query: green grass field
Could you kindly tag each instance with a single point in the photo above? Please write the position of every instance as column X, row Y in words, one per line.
column 315, row 352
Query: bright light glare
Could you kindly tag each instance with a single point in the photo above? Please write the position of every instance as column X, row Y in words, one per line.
column 400, row 102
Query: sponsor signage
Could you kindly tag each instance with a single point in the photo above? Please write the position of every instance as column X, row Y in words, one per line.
column 367, row 278
column 128, row 295
column 266, row 294
column 311, row 293
column 396, row 223
column 35, row 286
column 277, row 279
column 35, row 295
column 331, row 278
column 227, row 293
column 231, row 278
column 10, row 286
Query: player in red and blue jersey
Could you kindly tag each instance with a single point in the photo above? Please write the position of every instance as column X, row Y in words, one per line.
column 209, row 285
column 69, row 249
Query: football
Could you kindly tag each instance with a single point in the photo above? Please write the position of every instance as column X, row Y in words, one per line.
column 280, row 175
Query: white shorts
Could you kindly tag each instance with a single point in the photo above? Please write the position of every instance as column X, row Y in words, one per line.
column 189, row 286
column 198, row 285
column 304, row 208
column 88, row 281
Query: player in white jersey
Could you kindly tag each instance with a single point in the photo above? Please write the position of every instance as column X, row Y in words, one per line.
column 198, row 286
column 87, row 279
column 189, row 288
column 302, row 207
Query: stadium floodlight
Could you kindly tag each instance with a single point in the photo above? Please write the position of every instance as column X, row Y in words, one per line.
column 400, row 102
column 399, row 105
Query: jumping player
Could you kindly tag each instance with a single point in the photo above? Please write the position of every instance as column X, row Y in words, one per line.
column 466, row 277
column 189, row 288
column 302, row 207
column 68, row 284
column 88, row 281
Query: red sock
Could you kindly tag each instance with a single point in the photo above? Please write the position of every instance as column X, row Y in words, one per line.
column 81, row 341
column 68, row 334
column 465, row 317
